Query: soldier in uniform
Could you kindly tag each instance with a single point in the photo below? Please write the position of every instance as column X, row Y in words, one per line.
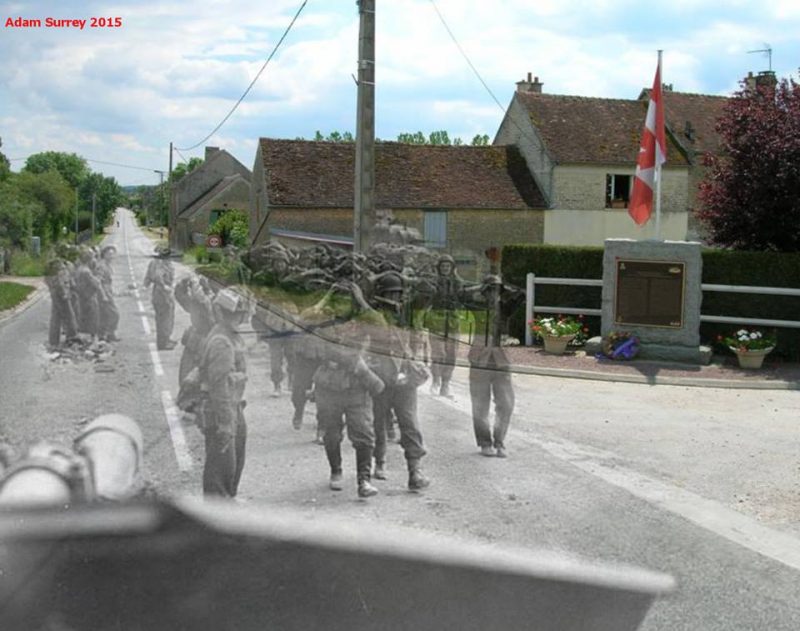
column 275, row 332
column 90, row 291
column 343, row 384
column 62, row 317
column 160, row 275
column 196, row 301
column 223, row 376
column 401, row 373
column 108, row 312
column 442, row 322
column 489, row 374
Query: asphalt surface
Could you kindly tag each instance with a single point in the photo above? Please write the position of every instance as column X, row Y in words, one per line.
column 699, row 483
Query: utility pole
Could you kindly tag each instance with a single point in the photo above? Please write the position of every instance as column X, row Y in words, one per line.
column 94, row 199
column 173, row 233
column 364, row 208
column 160, row 196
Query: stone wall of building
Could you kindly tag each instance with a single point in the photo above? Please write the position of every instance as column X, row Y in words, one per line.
column 516, row 129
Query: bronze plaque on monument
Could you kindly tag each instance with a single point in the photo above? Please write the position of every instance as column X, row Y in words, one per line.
column 649, row 293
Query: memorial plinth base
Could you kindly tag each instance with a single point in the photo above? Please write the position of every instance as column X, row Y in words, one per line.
column 660, row 352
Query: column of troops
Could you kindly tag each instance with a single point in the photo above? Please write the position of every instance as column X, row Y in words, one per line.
column 388, row 321
column 80, row 281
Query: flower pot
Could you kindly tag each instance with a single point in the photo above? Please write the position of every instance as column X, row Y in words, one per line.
column 556, row 345
column 752, row 359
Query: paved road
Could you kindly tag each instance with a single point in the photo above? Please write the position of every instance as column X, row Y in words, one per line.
column 698, row 483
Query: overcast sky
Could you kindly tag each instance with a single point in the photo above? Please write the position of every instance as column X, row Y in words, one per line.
column 174, row 69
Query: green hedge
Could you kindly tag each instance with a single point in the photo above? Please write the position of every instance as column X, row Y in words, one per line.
column 723, row 267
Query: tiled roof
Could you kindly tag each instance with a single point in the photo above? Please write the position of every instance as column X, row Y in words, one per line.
column 701, row 110
column 578, row 129
column 215, row 190
column 321, row 174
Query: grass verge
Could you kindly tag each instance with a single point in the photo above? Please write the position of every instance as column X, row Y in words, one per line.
column 11, row 294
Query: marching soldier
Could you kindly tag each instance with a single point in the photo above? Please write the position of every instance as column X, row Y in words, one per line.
column 489, row 370
column 160, row 275
column 343, row 384
column 223, row 377
column 108, row 317
column 90, row 291
column 62, row 318
column 401, row 373
column 443, row 324
column 196, row 301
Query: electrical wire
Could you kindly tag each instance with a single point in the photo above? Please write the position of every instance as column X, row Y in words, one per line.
column 113, row 164
column 252, row 83
column 464, row 55
column 523, row 132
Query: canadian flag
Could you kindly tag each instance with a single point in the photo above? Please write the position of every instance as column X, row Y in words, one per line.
column 652, row 154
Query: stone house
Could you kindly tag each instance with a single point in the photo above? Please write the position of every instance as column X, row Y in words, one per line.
column 221, row 183
column 461, row 199
column 582, row 152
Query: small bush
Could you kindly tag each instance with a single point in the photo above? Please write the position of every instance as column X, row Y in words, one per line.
column 24, row 264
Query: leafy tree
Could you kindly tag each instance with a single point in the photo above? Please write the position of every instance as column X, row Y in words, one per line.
column 334, row 136
column 185, row 167
column 70, row 165
column 5, row 165
column 16, row 219
column 480, row 140
column 49, row 198
column 234, row 227
column 440, row 137
column 749, row 197
column 417, row 138
column 108, row 197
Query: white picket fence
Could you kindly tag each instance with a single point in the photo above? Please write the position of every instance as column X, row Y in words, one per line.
column 531, row 280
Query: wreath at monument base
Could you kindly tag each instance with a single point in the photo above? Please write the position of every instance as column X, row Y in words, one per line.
column 621, row 345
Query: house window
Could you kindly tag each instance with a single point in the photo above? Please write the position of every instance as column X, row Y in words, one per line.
column 435, row 229
column 215, row 214
column 618, row 190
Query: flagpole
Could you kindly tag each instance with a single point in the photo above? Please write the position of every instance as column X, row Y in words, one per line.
column 658, row 165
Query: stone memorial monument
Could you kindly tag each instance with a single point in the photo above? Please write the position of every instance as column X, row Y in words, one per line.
column 653, row 290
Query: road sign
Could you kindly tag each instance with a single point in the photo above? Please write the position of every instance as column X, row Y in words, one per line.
column 214, row 241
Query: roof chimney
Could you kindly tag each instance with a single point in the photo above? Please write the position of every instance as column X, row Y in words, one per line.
column 210, row 151
column 530, row 86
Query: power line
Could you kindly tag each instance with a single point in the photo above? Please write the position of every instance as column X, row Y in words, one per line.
column 252, row 83
column 114, row 164
column 463, row 54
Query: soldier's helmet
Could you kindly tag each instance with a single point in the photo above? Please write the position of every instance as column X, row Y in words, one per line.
column 389, row 289
column 229, row 304
column 446, row 258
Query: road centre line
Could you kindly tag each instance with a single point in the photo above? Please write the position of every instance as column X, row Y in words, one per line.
column 173, row 415
column 146, row 325
column 157, row 367
column 708, row 514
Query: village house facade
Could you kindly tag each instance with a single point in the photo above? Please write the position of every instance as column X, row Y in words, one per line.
column 582, row 152
column 220, row 184
column 461, row 199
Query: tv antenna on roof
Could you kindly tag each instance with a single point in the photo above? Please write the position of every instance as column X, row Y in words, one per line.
column 767, row 49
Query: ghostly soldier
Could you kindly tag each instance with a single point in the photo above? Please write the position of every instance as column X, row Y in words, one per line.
column 442, row 322
column 394, row 363
column 62, row 317
column 223, row 376
column 108, row 312
column 343, row 384
column 272, row 329
column 195, row 299
column 160, row 275
column 489, row 374
column 89, row 291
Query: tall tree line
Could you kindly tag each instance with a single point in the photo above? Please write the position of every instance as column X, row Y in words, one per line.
column 52, row 196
